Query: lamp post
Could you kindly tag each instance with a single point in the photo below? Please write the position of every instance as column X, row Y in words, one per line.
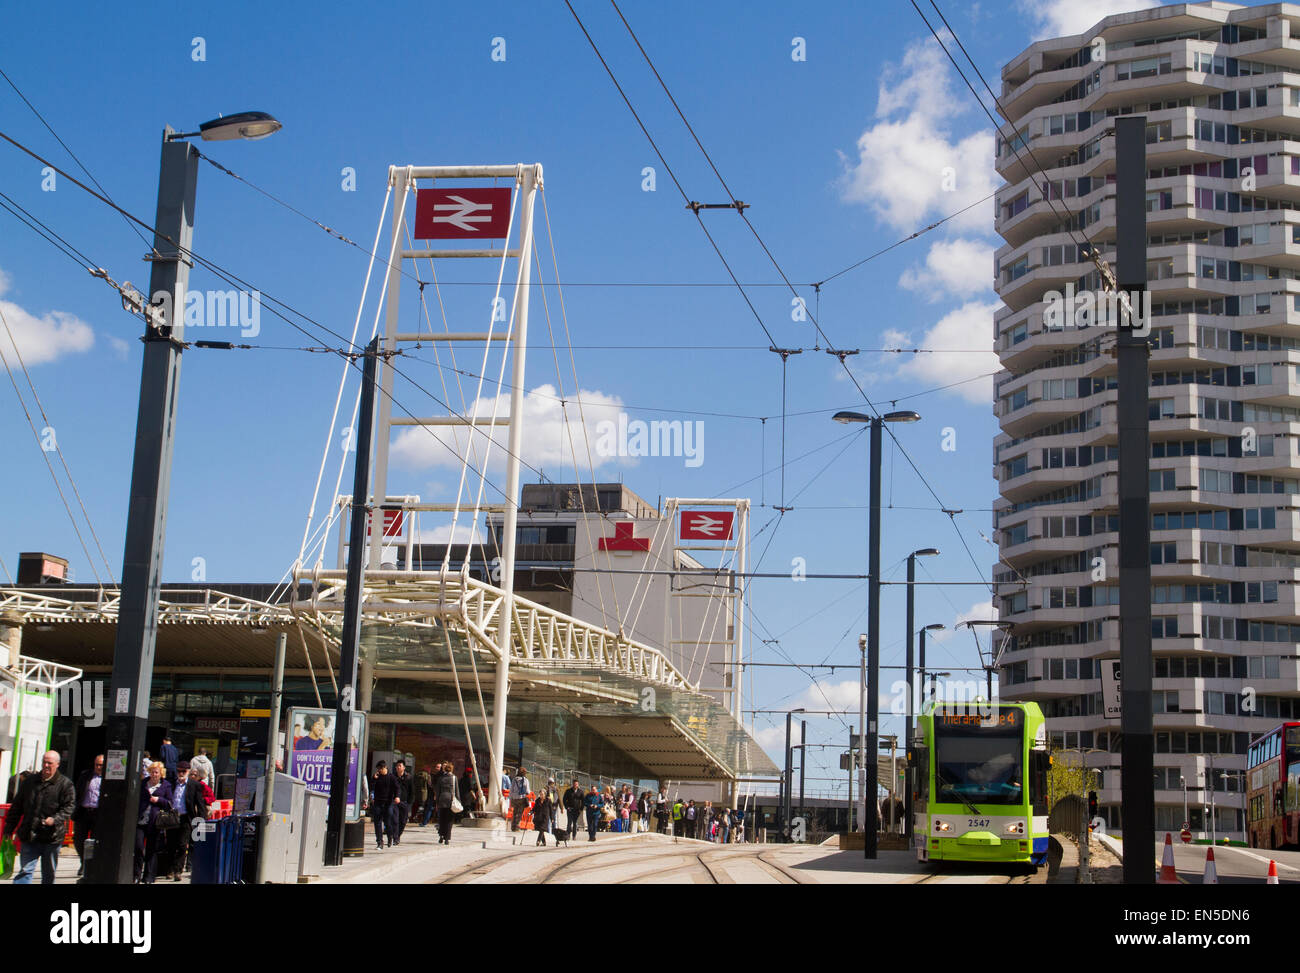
column 925, row 683
column 789, row 772
column 907, row 733
column 858, row 763
column 872, row 758
column 146, row 524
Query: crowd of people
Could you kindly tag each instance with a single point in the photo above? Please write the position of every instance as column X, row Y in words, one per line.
column 173, row 792
column 622, row 811
column 396, row 798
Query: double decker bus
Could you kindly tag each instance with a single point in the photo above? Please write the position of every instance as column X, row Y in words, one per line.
column 1272, row 781
column 980, row 783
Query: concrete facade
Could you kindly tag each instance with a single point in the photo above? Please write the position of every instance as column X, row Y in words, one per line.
column 1219, row 85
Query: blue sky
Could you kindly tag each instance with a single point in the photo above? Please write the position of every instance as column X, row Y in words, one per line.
column 838, row 155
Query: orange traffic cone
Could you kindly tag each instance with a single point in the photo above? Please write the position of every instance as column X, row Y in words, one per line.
column 1168, row 875
column 1272, row 873
column 1211, row 876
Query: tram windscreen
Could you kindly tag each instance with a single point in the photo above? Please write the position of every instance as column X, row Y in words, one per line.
column 979, row 761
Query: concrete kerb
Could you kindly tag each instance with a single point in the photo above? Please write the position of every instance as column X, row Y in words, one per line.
column 1113, row 845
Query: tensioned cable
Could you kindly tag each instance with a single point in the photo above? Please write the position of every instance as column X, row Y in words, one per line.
column 45, row 453
column 68, row 149
column 849, row 371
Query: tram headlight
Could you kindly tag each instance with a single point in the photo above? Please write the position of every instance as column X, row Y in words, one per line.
column 942, row 827
column 1015, row 827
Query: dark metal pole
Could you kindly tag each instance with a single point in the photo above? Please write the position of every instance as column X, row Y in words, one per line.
column 1138, row 748
column 869, row 744
column 920, row 665
column 787, row 781
column 351, row 635
column 803, row 762
column 146, row 522
column 853, row 766
column 907, row 732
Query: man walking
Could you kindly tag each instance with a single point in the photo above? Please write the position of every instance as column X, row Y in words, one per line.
column 203, row 764
column 421, row 797
column 40, row 814
column 401, row 801
column 572, row 801
column 519, row 788
column 594, row 805
column 170, row 757
column 87, row 810
column 382, row 792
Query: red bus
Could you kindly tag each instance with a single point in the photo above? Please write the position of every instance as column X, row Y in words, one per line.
column 1273, row 788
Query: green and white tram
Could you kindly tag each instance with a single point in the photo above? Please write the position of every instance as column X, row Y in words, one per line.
column 979, row 779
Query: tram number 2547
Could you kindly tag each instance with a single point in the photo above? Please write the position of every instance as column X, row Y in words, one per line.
column 977, row 823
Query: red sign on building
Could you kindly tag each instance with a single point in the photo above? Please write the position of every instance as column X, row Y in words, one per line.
column 701, row 525
column 393, row 522
column 623, row 539
column 448, row 214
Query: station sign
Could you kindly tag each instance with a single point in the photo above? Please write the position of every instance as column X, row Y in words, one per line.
column 449, row 214
column 1110, row 688
column 703, row 525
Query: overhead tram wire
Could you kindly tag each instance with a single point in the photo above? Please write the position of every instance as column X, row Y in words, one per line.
column 228, row 276
column 68, row 149
column 776, row 264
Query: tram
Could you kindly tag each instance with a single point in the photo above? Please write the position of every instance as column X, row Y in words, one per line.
column 979, row 780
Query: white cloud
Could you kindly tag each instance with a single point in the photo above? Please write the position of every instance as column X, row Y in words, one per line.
column 120, row 347
column 44, row 338
column 464, row 534
column 956, row 342
column 980, row 611
column 546, row 442
column 909, row 165
column 1063, row 18
column 957, row 268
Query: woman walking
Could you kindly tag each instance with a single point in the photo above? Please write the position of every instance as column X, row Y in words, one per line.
column 626, row 801
column 155, row 798
column 443, row 792
column 544, row 811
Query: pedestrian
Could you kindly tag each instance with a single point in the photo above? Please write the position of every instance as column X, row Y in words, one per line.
column 402, row 802
column 724, row 825
column 593, row 804
column 607, row 813
column 443, row 792
column 421, row 796
column 155, row 807
column 739, row 816
column 661, row 810
column 430, row 806
column 688, row 819
column 519, row 791
column 678, row 815
column 170, row 757
column 544, row 811
column 87, row 810
column 626, row 801
column 203, row 763
column 40, row 813
column 191, row 799
column 382, row 791
column 145, row 761
column 573, row 807
column 467, row 792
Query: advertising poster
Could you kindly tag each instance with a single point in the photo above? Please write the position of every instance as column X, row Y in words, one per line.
column 311, row 740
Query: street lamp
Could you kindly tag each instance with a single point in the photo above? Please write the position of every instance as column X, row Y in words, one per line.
column 907, row 734
column 925, row 682
column 133, row 651
column 789, row 772
column 873, row 614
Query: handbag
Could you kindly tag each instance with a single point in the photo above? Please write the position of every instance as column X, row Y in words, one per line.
column 456, row 806
column 167, row 819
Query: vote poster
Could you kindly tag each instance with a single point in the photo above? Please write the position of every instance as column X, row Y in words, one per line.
column 310, row 743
